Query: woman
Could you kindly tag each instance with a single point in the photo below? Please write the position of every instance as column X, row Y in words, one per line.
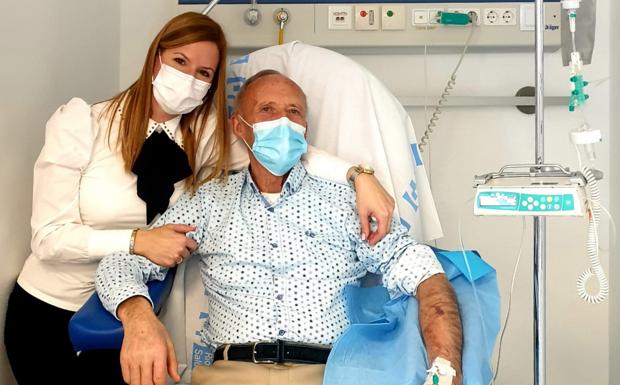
column 106, row 171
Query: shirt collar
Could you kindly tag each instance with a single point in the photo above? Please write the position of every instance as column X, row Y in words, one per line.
column 291, row 185
column 170, row 127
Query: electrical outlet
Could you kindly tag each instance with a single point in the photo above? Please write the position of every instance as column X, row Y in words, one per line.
column 490, row 17
column 499, row 16
column 467, row 11
column 508, row 17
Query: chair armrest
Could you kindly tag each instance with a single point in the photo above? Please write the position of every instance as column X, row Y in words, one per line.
column 94, row 328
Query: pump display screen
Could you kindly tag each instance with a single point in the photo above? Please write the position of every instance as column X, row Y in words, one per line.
column 498, row 199
column 537, row 201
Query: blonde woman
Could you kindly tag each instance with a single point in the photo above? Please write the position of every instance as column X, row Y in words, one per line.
column 106, row 171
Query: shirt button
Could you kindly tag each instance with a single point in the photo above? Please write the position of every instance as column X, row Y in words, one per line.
column 280, row 297
column 274, row 245
column 270, row 209
column 281, row 332
column 310, row 234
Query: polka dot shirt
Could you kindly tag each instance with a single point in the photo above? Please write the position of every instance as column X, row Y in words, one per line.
column 275, row 271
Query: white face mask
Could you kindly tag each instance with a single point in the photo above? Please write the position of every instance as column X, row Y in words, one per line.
column 177, row 92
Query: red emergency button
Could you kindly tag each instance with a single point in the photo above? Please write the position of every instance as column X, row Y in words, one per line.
column 363, row 13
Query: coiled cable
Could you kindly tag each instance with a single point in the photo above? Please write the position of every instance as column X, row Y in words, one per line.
column 595, row 269
column 446, row 91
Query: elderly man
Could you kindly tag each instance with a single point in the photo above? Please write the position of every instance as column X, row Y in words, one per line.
column 277, row 247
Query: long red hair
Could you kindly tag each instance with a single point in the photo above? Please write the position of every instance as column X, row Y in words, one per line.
column 135, row 101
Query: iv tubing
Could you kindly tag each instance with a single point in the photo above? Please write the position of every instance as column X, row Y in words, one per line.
column 512, row 287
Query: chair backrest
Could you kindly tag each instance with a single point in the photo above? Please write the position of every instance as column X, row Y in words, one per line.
column 351, row 115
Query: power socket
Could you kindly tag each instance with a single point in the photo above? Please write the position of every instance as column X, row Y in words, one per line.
column 499, row 16
column 508, row 17
column 467, row 11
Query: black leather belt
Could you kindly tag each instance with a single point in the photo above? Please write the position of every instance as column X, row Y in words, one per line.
column 275, row 352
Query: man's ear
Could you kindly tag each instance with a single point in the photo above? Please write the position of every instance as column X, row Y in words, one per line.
column 236, row 125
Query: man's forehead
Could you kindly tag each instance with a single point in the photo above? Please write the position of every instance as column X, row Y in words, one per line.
column 274, row 85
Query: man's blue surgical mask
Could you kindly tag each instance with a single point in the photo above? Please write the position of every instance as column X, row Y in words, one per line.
column 278, row 144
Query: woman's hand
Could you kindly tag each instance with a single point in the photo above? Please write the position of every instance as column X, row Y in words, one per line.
column 166, row 245
column 373, row 201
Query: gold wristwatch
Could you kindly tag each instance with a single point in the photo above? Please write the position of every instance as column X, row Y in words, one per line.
column 360, row 169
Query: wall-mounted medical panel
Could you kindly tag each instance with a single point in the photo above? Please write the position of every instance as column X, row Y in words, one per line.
column 359, row 1
column 500, row 25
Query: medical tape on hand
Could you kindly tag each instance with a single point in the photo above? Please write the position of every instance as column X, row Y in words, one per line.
column 441, row 372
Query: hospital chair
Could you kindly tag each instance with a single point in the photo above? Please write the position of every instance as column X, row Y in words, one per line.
column 351, row 114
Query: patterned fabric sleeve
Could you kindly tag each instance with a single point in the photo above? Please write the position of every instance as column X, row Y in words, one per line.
column 121, row 276
column 403, row 262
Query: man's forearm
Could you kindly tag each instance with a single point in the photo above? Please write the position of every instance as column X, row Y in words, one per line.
column 122, row 276
column 134, row 308
column 440, row 321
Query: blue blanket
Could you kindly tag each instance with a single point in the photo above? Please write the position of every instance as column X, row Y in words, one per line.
column 384, row 345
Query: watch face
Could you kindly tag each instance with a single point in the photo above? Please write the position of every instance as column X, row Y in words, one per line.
column 366, row 169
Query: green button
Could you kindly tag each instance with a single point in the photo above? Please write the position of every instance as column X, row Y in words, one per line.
column 390, row 13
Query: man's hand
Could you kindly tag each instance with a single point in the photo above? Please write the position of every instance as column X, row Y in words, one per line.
column 167, row 245
column 147, row 352
column 440, row 322
column 373, row 201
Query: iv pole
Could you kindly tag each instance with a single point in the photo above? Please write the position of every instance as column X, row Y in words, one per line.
column 539, row 221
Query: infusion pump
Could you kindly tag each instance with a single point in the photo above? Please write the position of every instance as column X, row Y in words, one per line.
column 547, row 190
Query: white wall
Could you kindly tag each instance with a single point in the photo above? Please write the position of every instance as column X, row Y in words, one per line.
column 51, row 51
column 140, row 21
column 614, row 143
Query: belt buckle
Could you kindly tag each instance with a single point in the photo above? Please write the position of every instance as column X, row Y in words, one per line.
column 254, row 355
